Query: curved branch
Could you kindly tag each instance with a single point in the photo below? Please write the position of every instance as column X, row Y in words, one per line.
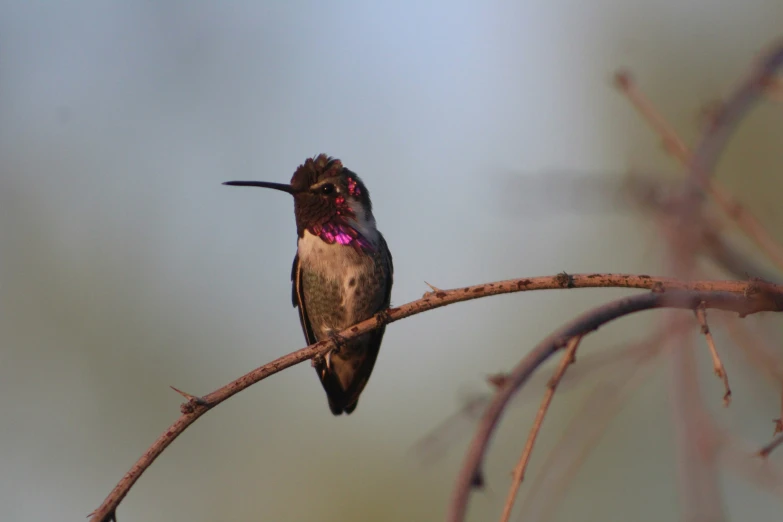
column 471, row 474
column 744, row 218
column 708, row 150
column 196, row 407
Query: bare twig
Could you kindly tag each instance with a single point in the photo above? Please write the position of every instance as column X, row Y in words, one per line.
column 769, row 448
column 708, row 151
column 671, row 140
column 717, row 364
column 594, row 413
column 615, row 359
column 698, row 441
column 582, row 325
column 519, row 470
column 747, row 222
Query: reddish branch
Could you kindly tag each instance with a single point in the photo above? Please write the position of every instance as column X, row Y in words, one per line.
column 708, row 151
column 761, row 295
column 471, row 473
column 717, row 364
column 739, row 297
column 701, row 166
column 720, row 127
column 519, row 471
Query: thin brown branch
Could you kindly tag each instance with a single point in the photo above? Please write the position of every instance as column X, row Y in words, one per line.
column 769, row 448
column 582, row 325
column 737, row 460
column 708, row 151
column 745, row 220
column 616, row 359
column 724, row 293
column 587, row 427
column 698, row 441
column 717, row 364
column 672, row 142
column 519, row 470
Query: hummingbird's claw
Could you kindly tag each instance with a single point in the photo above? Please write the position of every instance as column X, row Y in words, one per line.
column 383, row 317
column 339, row 342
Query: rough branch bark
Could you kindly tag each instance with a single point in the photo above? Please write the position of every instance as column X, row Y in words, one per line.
column 746, row 297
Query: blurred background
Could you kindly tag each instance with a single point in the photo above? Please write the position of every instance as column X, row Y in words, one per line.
column 125, row 266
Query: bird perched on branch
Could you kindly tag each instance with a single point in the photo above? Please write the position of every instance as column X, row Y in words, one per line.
column 342, row 272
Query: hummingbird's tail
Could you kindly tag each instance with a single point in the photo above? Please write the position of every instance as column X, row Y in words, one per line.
column 338, row 400
column 345, row 373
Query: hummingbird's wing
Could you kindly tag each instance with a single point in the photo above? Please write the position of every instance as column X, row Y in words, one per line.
column 329, row 380
column 389, row 268
column 297, row 296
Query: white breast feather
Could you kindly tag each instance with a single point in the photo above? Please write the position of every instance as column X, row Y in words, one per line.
column 337, row 263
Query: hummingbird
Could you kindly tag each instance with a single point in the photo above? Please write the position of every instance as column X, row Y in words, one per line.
column 342, row 272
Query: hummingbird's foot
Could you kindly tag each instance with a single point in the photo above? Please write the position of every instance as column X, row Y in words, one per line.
column 325, row 360
column 383, row 317
column 317, row 361
column 322, row 363
column 339, row 341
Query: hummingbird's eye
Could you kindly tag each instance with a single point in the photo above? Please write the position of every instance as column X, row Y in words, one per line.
column 327, row 189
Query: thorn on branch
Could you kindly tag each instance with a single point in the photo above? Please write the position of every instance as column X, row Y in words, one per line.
column 498, row 380
column 435, row 291
column 111, row 516
column 717, row 364
column 432, row 287
column 193, row 400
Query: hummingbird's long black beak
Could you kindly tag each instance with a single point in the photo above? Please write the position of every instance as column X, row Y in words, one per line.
column 264, row 184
